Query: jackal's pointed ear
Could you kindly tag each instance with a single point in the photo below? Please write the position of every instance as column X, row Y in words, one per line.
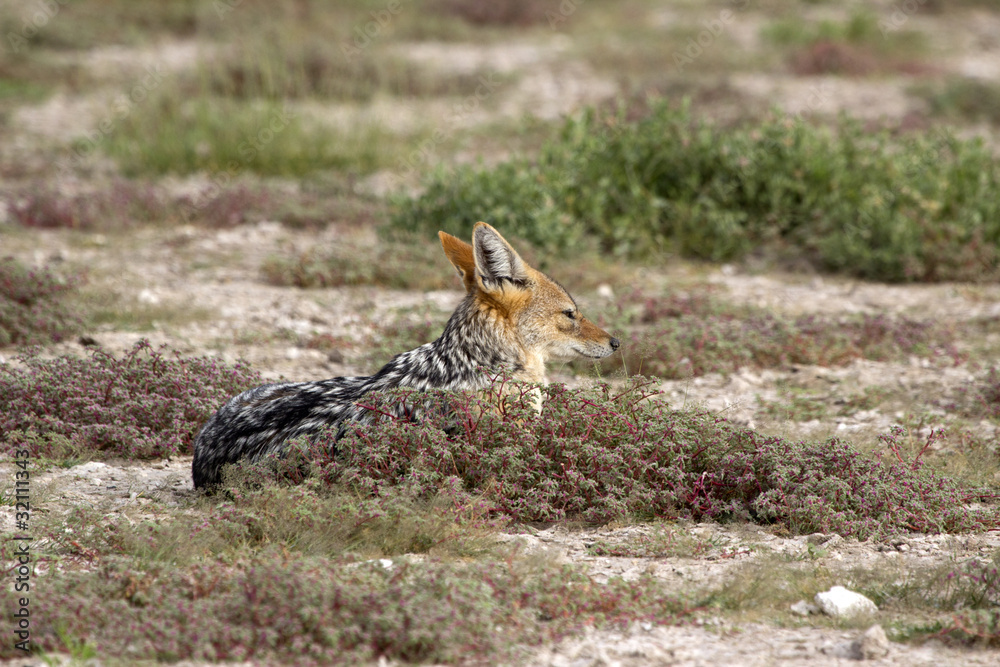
column 496, row 260
column 461, row 256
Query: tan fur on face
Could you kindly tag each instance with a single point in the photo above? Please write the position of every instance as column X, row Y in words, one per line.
column 529, row 310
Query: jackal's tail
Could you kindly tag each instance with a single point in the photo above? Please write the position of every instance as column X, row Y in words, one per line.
column 262, row 420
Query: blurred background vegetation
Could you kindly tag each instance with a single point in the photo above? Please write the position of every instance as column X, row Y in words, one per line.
column 851, row 137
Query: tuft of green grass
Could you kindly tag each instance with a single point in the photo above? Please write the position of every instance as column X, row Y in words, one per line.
column 858, row 46
column 256, row 517
column 227, row 138
column 869, row 398
column 796, row 405
column 963, row 99
column 141, row 405
column 290, row 65
column 861, row 28
column 111, row 309
column 33, row 305
column 92, row 23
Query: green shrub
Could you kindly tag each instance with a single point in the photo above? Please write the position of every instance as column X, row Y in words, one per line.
column 32, row 306
column 919, row 207
column 860, row 28
column 291, row 65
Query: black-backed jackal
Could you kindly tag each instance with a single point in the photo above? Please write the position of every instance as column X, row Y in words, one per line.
column 513, row 318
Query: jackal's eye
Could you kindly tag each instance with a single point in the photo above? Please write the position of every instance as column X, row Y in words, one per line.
column 569, row 313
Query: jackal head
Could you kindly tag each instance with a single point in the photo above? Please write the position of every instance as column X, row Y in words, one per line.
column 530, row 311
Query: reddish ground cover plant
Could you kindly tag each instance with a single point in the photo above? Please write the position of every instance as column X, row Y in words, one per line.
column 679, row 335
column 32, row 309
column 603, row 454
column 594, row 454
column 972, row 589
column 306, row 611
column 126, row 204
column 989, row 393
column 120, row 204
column 144, row 404
column 500, row 12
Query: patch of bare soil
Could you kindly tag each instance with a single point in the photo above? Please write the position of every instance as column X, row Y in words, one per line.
column 751, row 645
column 828, row 95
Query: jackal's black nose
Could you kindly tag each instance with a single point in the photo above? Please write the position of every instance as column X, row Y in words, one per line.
column 614, row 343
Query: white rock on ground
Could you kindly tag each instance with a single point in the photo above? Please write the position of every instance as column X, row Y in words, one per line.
column 841, row 602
